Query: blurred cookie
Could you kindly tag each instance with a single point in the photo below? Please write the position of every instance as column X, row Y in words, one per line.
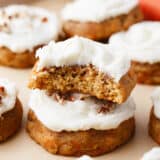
column 23, row 29
column 141, row 44
column 99, row 19
column 154, row 124
column 10, row 110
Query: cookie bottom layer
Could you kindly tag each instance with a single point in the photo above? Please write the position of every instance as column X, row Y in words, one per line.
column 17, row 60
column 103, row 30
column 10, row 122
column 91, row 142
column 147, row 73
column 154, row 127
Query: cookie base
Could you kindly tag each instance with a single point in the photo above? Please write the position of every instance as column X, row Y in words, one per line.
column 103, row 30
column 91, row 142
column 17, row 60
column 154, row 127
column 147, row 73
column 10, row 122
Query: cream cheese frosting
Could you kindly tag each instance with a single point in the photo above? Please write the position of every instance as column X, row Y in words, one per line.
column 97, row 10
column 140, row 42
column 77, row 115
column 85, row 158
column 7, row 96
column 82, row 51
column 156, row 102
column 153, row 154
column 24, row 27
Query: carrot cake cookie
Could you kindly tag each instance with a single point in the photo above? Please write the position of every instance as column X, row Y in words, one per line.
column 141, row 43
column 23, row 29
column 76, row 124
column 82, row 65
column 10, row 110
column 99, row 19
column 154, row 124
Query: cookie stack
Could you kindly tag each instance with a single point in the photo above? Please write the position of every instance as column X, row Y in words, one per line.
column 79, row 101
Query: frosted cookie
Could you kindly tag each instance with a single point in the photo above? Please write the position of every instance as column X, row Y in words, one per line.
column 76, row 125
column 82, row 65
column 153, row 154
column 23, row 29
column 154, row 124
column 99, row 19
column 10, row 110
column 141, row 43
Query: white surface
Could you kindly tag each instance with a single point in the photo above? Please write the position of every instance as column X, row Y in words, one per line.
column 153, row 154
column 156, row 101
column 85, row 158
column 82, row 51
column 21, row 145
column 97, row 10
column 27, row 30
column 79, row 114
column 9, row 98
column 141, row 42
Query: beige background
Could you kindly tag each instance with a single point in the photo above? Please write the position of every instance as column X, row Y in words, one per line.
column 21, row 147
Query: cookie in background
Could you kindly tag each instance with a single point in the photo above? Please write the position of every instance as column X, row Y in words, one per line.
column 141, row 44
column 10, row 110
column 154, row 123
column 99, row 19
column 24, row 29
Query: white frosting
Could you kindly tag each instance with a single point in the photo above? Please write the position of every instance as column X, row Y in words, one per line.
column 82, row 51
column 156, row 102
column 85, row 158
column 97, row 10
column 141, row 42
column 77, row 115
column 9, row 99
column 153, row 154
column 27, row 27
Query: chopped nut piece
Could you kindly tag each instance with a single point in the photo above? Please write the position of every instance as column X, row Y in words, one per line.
column 10, row 17
column 44, row 19
column 2, row 90
column 107, row 107
column 104, row 106
column 2, row 94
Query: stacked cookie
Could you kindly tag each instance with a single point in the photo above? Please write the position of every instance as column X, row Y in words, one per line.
column 79, row 101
